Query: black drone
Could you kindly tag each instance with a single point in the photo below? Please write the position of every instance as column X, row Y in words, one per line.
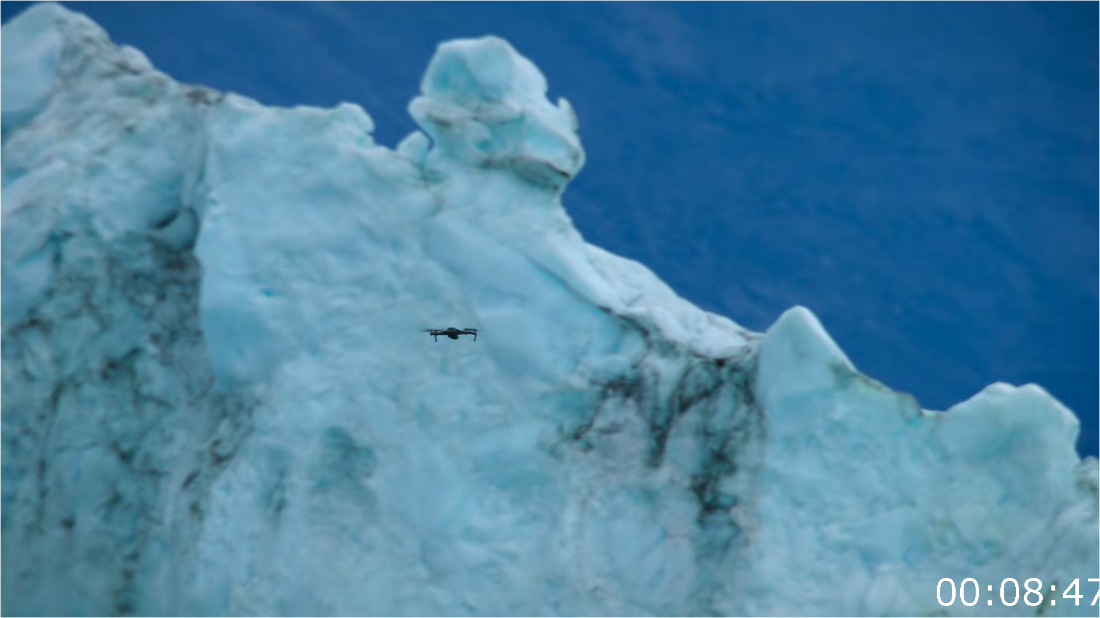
column 451, row 332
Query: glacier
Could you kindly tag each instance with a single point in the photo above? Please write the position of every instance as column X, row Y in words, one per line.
column 218, row 398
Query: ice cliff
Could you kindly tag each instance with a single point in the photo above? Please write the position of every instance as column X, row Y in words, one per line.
column 218, row 398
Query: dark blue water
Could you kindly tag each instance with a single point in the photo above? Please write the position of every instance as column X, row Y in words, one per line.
column 922, row 176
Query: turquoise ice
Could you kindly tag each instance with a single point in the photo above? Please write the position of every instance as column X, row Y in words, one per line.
column 218, row 397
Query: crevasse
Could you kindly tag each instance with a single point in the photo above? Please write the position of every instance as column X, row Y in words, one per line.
column 218, row 398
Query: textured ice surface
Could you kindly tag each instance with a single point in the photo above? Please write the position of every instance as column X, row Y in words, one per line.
column 218, row 399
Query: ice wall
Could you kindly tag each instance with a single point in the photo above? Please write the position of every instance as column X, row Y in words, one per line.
column 218, row 398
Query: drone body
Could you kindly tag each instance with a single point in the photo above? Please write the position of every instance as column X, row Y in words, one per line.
column 451, row 332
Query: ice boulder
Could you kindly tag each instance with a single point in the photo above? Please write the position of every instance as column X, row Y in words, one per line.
column 485, row 105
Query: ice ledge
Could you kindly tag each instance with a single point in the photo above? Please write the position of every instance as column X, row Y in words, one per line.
column 1024, row 428
column 809, row 386
column 799, row 358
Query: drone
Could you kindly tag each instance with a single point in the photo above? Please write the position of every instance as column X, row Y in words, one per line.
column 451, row 332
